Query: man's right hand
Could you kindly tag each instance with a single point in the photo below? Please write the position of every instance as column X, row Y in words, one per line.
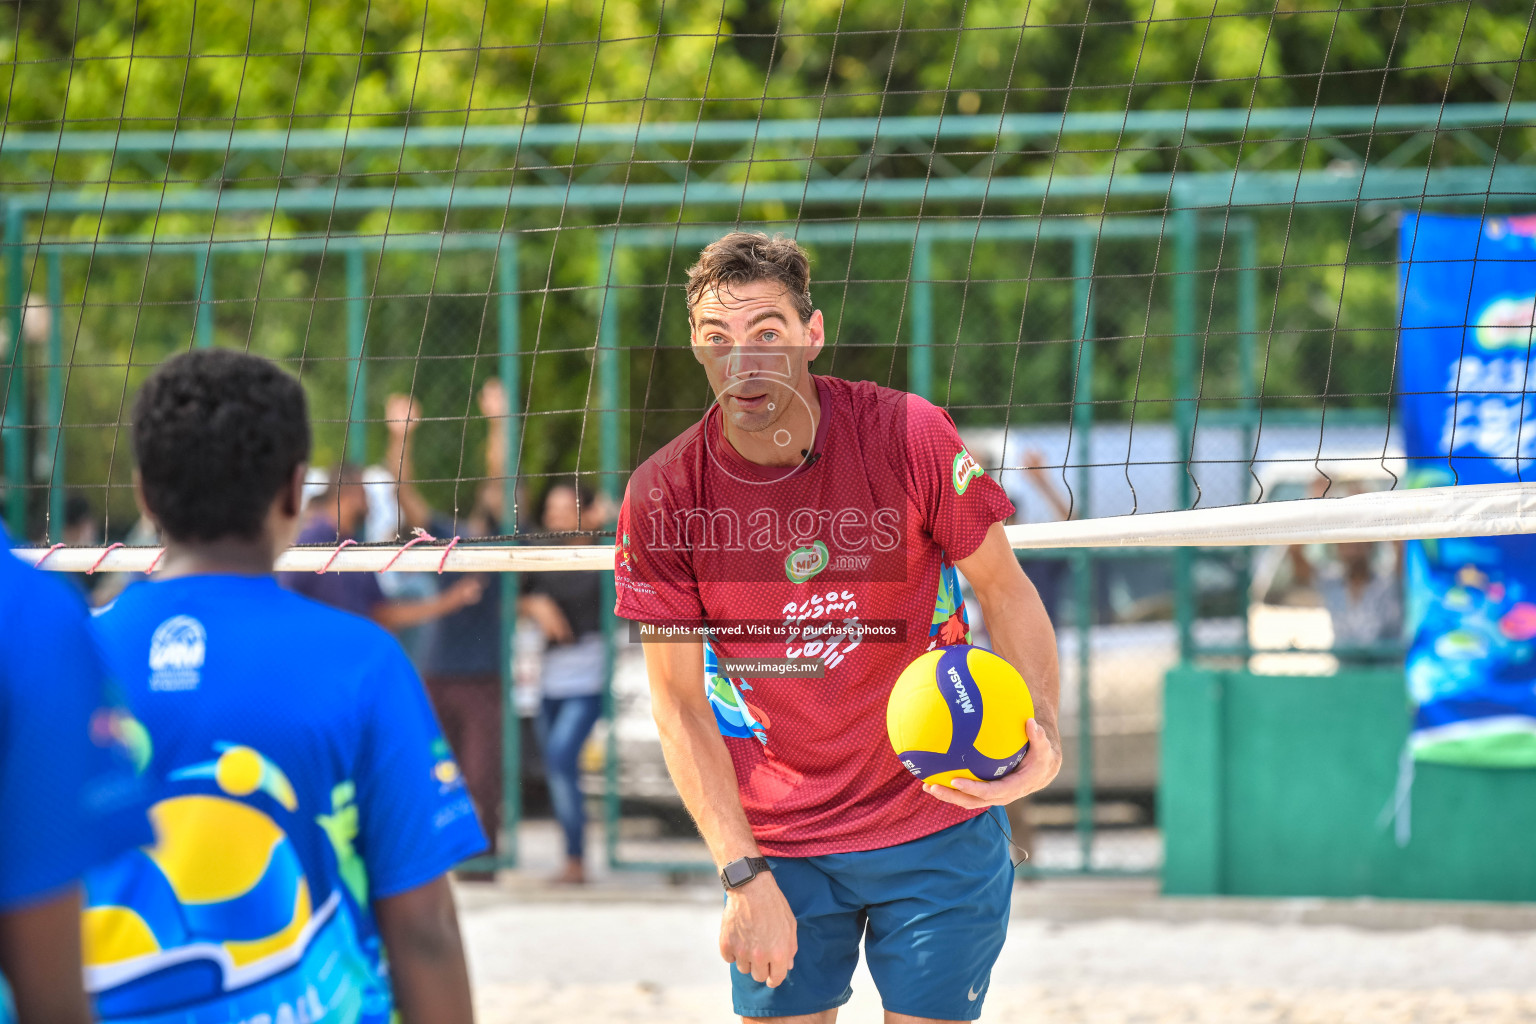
column 758, row 931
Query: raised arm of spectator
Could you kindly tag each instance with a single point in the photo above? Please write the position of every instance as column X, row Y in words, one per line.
column 491, row 496
column 405, row 614
column 1302, row 573
column 401, row 414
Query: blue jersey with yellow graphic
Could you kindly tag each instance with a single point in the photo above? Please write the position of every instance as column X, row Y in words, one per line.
column 298, row 775
column 69, row 793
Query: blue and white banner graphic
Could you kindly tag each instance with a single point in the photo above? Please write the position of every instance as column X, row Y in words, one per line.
column 1464, row 380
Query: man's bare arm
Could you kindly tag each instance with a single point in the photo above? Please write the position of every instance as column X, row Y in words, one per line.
column 757, row 933
column 427, row 970
column 40, row 956
column 1021, row 635
column 405, row 614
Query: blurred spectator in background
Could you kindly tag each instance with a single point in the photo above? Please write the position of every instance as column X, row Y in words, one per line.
column 1360, row 585
column 79, row 523
column 568, row 607
column 79, row 530
column 337, row 514
column 1364, row 598
column 460, row 654
column 385, row 525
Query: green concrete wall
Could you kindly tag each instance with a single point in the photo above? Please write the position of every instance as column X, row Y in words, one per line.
column 1275, row 785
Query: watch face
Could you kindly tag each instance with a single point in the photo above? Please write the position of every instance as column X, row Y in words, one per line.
column 737, row 872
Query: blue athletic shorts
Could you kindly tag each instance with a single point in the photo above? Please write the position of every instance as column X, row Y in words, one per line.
column 932, row 914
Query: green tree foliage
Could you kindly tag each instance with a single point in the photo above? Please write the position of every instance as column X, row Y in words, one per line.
column 1003, row 314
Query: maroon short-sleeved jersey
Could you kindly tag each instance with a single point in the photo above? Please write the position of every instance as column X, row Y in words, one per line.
column 847, row 557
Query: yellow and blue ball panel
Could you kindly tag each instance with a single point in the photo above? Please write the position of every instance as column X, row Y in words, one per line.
column 221, row 891
column 959, row 712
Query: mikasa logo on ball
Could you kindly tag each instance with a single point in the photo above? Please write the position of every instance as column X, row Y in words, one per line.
column 965, row 696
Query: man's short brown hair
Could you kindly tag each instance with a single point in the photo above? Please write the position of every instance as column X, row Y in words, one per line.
column 747, row 257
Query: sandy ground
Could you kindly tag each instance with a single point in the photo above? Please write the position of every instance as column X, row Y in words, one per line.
column 642, row 951
column 648, row 961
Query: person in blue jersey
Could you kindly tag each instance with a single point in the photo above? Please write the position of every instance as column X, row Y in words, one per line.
column 305, row 805
column 69, row 793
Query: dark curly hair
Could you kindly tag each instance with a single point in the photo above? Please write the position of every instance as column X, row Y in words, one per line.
column 217, row 434
column 746, row 257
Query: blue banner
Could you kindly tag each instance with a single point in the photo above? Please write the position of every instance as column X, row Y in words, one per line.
column 1464, row 370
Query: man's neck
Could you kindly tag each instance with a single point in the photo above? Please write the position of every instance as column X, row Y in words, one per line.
column 760, row 449
column 229, row 557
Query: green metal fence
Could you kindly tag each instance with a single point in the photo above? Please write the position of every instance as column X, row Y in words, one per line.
column 1083, row 236
column 1186, row 204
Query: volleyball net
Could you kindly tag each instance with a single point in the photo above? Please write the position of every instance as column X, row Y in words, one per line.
column 1152, row 262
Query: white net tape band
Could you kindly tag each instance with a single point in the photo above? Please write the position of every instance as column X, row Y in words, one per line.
column 1471, row 510
column 1482, row 510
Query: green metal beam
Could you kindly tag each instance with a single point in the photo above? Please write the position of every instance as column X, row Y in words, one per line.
column 1303, row 119
column 900, row 231
column 1476, row 186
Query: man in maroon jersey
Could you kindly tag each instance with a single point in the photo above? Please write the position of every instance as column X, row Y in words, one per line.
column 819, row 522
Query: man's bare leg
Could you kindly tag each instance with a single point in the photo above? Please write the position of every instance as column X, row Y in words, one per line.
column 901, row 1018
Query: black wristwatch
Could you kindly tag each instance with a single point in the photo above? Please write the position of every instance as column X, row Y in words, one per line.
column 739, row 872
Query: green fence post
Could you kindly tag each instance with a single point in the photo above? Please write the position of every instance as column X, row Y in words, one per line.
column 1248, row 403
column 920, row 352
column 15, row 415
column 1185, row 254
column 1248, row 315
column 357, row 330
column 608, row 370
column 55, row 397
column 1082, row 560
column 607, row 367
column 203, row 316
column 509, row 343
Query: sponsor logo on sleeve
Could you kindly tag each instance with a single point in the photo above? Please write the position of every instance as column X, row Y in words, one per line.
column 963, row 471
